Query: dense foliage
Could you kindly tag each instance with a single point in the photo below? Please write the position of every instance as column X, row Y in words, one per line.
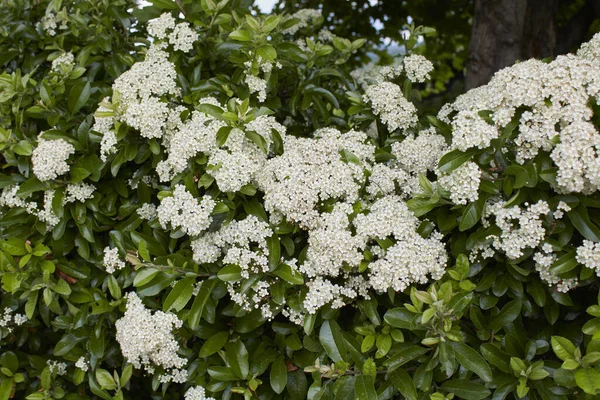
column 200, row 202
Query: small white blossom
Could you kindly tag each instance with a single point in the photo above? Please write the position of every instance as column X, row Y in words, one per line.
column 147, row 211
column 82, row 364
column 196, row 393
column 59, row 367
column 79, row 192
column 112, row 262
column 63, row 64
column 183, row 211
column 147, row 340
column 462, row 183
column 50, row 158
column 391, row 106
column 417, row 68
column 183, row 37
column 159, row 27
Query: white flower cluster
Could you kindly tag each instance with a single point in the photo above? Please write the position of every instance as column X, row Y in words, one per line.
column 8, row 320
column 59, row 367
column 140, row 89
column 391, row 106
column 49, row 158
column 303, row 16
column 577, row 158
column 9, row 199
column 421, row 153
column 147, row 340
column 311, row 170
column 47, row 214
column 417, row 68
column 522, row 228
column 462, row 183
column 196, row 393
column 557, row 119
column 335, row 252
column 79, row 192
column 112, row 262
column 103, row 123
column 470, row 130
column 147, row 211
column 588, row 254
column 257, row 85
column 181, row 36
column 183, row 211
column 50, row 22
column 82, row 364
column 63, row 64
column 372, row 74
column 411, row 258
column 242, row 243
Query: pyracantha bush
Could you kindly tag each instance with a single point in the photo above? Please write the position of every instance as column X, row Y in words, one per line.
column 201, row 202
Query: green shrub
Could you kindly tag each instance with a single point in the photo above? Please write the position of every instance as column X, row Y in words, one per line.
column 197, row 201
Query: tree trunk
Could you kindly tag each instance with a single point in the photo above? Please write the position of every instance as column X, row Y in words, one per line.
column 505, row 31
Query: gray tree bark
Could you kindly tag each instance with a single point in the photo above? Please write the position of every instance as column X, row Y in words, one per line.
column 505, row 31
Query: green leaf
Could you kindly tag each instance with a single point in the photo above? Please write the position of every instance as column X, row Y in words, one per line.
column 105, row 379
column 404, row 384
column 364, row 388
column 471, row 360
column 465, row 389
column 588, row 379
column 210, row 109
column 222, row 373
column 180, row 295
column 200, row 302
column 289, row 275
column 454, row 159
column 563, row 348
column 241, row 35
column 78, row 96
column 472, row 214
column 332, row 340
column 230, row 273
column 565, row 263
column 581, row 221
column 13, row 246
column 496, row 357
column 214, row 344
column 237, row 356
column 65, row 344
column 144, row 276
column 508, row 314
column 404, row 356
column 278, row 375
column 165, row 4
column 400, row 318
column 6, row 386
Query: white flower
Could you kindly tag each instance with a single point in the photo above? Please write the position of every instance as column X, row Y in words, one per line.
column 158, row 27
column 303, row 16
column 108, row 145
column 183, row 37
column 417, row 68
column 421, row 153
column 63, row 64
column 147, row 211
column 59, row 367
column 391, row 106
column 50, row 158
column 112, row 262
column 470, row 130
column 256, row 84
column 183, row 211
column 522, row 228
column 588, row 254
column 79, row 192
column 147, row 340
column 82, row 364
column 196, row 393
column 47, row 214
column 462, row 183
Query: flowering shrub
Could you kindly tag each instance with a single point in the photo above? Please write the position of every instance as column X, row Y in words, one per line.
column 200, row 203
